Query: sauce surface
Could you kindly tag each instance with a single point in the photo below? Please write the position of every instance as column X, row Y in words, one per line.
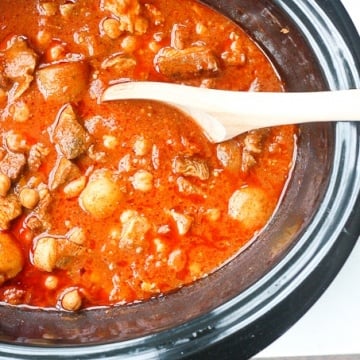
column 111, row 203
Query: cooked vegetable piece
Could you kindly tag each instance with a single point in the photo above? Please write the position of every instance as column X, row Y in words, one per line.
column 11, row 258
column 45, row 254
column 249, row 206
column 102, row 195
column 71, row 300
column 58, row 252
column 29, row 198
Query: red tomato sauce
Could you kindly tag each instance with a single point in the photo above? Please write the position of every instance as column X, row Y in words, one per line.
column 111, row 203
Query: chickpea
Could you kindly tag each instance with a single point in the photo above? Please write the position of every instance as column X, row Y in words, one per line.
column 213, row 214
column 129, row 43
column 66, row 9
column 154, row 46
column 71, row 300
column 47, row 9
column 43, row 38
column 15, row 142
column 5, row 184
column 111, row 28
column 143, row 181
column 51, row 282
column 201, row 29
column 110, row 142
column 29, row 198
column 56, row 52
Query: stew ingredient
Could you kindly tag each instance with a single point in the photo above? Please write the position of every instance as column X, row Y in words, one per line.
column 111, row 203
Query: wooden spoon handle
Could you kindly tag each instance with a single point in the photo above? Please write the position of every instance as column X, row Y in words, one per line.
column 242, row 111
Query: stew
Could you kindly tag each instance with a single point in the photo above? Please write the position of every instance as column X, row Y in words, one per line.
column 112, row 203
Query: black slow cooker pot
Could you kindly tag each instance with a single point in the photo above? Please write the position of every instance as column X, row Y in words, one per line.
column 241, row 308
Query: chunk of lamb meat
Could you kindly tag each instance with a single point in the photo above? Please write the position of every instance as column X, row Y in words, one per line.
column 253, row 144
column 64, row 81
column 12, row 164
column 63, row 172
column 38, row 219
column 36, row 156
column 128, row 12
column 188, row 166
column 56, row 252
column 68, row 134
column 135, row 227
column 186, row 63
column 10, row 209
column 19, row 65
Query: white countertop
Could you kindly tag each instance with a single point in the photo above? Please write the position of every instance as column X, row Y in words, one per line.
column 332, row 325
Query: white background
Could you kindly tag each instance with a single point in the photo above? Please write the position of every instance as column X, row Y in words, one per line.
column 332, row 325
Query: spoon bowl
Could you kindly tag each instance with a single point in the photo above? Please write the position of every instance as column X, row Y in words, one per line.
column 223, row 114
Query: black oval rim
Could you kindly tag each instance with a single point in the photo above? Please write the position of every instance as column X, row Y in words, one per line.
column 304, row 274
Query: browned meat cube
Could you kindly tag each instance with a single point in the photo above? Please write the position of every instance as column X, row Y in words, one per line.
column 187, row 63
column 129, row 14
column 12, row 165
column 191, row 167
column 19, row 65
column 63, row 82
column 37, row 154
column 20, row 59
column 68, row 134
column 10, row 209
column 63, row 172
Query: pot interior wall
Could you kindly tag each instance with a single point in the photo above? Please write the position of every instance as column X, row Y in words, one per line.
column 296, row 64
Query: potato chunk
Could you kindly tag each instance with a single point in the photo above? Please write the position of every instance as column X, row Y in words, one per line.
column 45, row 254
column 71, row 300
column 64, row 81
column 187, row 63
column 249, row 206
column 101, row 196
column 11, row 258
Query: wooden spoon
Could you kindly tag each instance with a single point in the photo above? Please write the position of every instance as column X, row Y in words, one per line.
column 224, row 114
